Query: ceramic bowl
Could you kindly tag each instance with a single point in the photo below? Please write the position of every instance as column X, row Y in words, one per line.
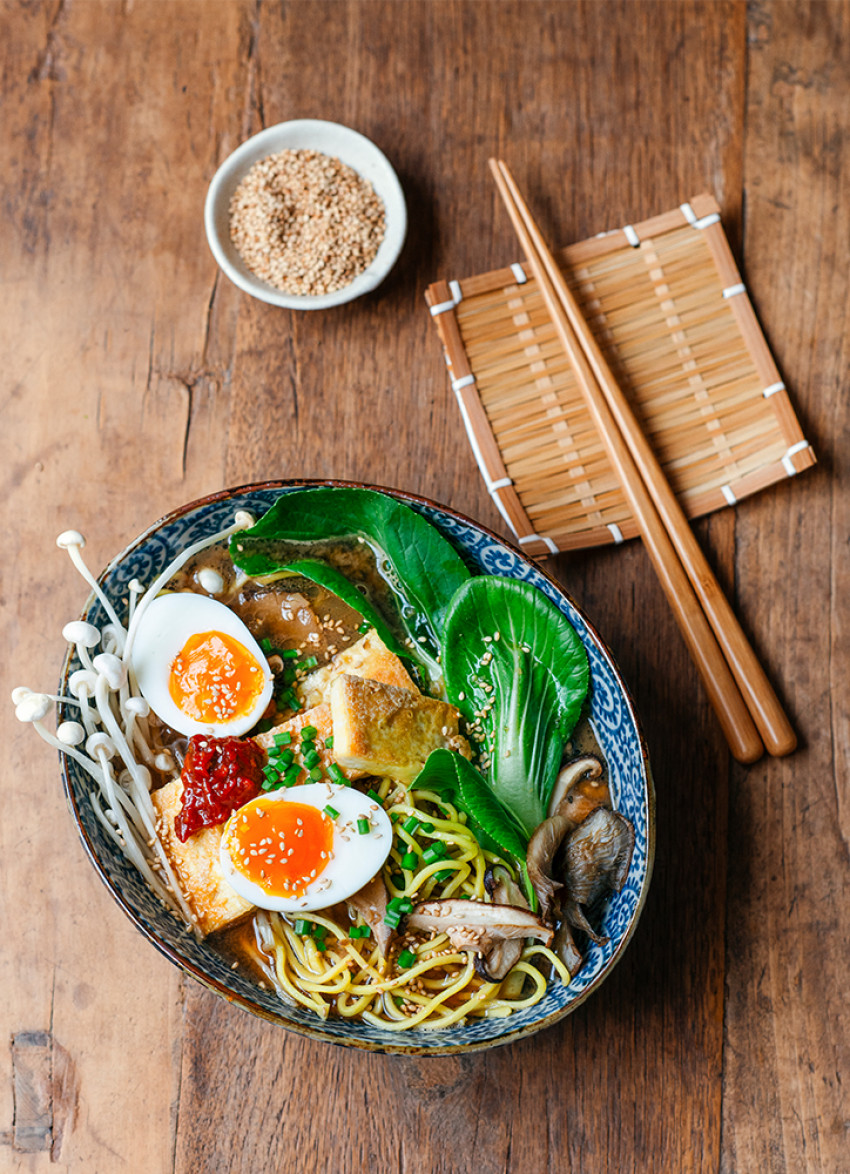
column 615, row 723
column 330, row 138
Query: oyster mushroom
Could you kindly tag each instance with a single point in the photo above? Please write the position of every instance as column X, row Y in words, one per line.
column 504, row 953
column 566, row 816
column 587, row 767
column 371, row 904
column 480, row 929
column 597, row 858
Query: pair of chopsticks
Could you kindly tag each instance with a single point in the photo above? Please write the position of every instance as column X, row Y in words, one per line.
column 743, row 699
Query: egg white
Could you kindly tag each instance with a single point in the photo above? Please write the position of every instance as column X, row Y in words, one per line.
column 162, row 632
column 356, row 858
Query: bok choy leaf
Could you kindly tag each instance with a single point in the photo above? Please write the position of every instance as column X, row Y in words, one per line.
column 449, row 775
column 510, row 657
column 420, row 567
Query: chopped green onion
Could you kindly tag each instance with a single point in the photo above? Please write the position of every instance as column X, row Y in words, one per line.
column 363, row 826
column 320, row 945
column 302, row 926
column 319, row 931
column 364, row 627
column 444, row 874
column 311, row 759
column 289, row 654
column 329, row 742
column 265, row 725
column 335, row 771
column 392, row 918
column 309, row 663
column 427, row 828
column 291, row 776
column 409, row 860
column 370, row 794
column 283, row 739
column 411, row 824
column 266, row 645
column 437, row 851
column 269, row 785
column 406, row 959
column 316, row 774
column 308, row 732
column 281, row 759
column 331, row 811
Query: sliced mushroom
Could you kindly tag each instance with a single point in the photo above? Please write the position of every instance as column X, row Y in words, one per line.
column 480, row 929
column 564, row 946
column 503, row 955
column 370, row 903
column 587, row 767
column 597, row 859
column 502, row 888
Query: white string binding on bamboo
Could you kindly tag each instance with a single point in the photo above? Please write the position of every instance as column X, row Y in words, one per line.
column 544, row 538
column 464, row 381
column 732, row 291
column 726, row 490
column 772, row 390
column 695, row 221
column 787, row 463
column 518, row 272
column 616, row 533
column 630, row 235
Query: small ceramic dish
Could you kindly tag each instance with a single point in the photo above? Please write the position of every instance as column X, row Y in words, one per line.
column 614, row 722
column 329, row 138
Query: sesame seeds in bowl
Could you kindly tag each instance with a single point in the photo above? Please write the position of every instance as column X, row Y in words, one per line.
column 306, row 215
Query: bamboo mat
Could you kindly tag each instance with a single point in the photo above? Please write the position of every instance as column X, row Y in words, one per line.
column 668, row 307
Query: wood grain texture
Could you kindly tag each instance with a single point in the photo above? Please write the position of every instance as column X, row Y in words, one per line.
column 788, row 917
column 135, row 378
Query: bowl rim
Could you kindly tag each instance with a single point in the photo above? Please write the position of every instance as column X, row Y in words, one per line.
column 308, row 1030
column 233, row 169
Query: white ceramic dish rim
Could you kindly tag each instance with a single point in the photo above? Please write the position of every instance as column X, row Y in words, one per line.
column 331, row 138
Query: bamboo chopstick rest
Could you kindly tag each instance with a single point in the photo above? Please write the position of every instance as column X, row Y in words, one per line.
column 689, row 584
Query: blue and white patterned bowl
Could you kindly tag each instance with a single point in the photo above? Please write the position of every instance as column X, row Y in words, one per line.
column 612, row 714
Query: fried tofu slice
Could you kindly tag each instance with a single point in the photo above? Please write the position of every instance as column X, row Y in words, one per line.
column 214, row 903
column 369, row 658
column 320, row 718
column 388, row 731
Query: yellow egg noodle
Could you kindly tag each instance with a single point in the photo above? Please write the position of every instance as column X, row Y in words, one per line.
column 441, row 987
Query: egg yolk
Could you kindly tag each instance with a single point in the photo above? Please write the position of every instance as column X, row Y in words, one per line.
column 215, row 679
column 281, row 846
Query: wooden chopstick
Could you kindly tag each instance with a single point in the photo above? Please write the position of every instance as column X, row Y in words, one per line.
column 723, row 692
column 764, row 706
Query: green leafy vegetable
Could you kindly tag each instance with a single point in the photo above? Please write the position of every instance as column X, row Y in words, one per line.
column 456, row 780
column 337, row 583
column 420, row 566
column 511, row 656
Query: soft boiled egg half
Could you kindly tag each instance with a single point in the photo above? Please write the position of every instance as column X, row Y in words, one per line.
column 199, row 668
column 304, row 848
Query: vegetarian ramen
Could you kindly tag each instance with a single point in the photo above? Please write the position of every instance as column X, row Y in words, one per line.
column 354, row 767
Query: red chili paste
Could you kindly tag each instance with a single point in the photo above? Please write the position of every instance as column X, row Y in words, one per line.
column 219, row 775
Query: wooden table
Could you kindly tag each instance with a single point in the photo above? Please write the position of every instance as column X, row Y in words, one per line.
column 135, row 378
